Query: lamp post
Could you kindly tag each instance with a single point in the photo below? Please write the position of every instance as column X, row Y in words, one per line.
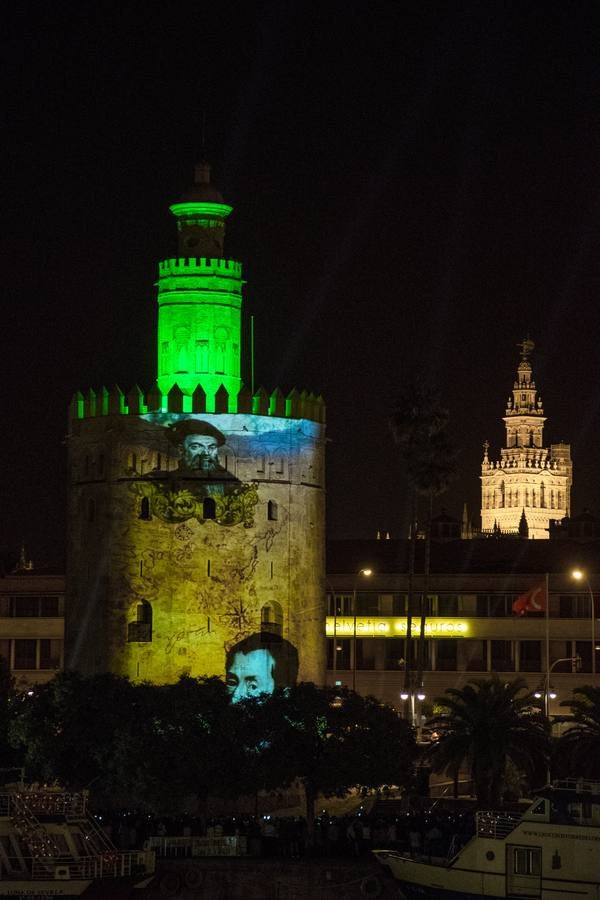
column 548, row 693
column 367, row 573
column 415, row 694
column 579, row 575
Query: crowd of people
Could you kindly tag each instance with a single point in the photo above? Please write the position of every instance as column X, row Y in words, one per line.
column 433, row 833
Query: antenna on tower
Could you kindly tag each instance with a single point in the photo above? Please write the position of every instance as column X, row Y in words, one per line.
column 252, row 354
column 203, row 136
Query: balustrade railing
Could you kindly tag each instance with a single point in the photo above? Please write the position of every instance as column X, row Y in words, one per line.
column 495, row 825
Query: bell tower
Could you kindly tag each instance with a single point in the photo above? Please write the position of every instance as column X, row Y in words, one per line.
column 530, row 484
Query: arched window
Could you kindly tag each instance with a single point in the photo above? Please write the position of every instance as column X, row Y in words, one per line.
column 91, row 510
column 145, row 508
column 209, row 508
column 271, row 618
column 272, row 511
column 144, row 613
column 141, row 630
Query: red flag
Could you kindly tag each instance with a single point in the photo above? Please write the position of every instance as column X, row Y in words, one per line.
column 533, row 600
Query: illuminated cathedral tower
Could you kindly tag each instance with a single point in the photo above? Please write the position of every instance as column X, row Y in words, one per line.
column 530, row 484
column 196, row 510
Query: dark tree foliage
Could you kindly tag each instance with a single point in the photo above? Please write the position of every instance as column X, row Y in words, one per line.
column 67, row 729
column 331, row 740
column 144, row 744
column 8, row 755
column 482, row 726
column 578, row 748
column 419, row 427
column 419, row 424
column 155, row 746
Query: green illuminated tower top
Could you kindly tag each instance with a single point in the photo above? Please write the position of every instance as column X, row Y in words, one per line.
column 200, row 299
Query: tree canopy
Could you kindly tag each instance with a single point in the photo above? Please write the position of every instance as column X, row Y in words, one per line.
column 579, row 745
column 155, row 746
column 484, row 725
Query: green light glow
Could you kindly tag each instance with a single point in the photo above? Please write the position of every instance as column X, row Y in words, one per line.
column 195, row 210
column 199, row 307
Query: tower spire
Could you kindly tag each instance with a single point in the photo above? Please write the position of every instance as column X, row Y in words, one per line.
column 530, row 484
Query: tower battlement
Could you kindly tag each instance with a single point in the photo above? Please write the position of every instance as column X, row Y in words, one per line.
column 113, row 401
column 197, row 508
column 199, row 265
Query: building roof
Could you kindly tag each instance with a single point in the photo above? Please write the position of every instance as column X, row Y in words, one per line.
column 487, row 556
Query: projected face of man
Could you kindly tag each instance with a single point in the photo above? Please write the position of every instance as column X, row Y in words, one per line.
column 200, row 452
column 250, row 675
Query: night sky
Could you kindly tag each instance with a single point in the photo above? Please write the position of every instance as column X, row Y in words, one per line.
column 415, row 187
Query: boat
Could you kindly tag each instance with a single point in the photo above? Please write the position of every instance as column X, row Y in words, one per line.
column 552, row 850
column 52, row 846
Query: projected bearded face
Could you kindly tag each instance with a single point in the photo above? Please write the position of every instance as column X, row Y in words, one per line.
column 200, row 452
column 250, row 674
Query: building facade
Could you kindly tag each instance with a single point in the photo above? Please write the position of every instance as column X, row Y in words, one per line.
column 196, row 510
column 471, row 630
column 529, row 485
column 32, row 624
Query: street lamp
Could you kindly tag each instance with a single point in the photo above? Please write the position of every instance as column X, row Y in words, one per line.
column 548, row 692
column 579, row 575
column 366, row 573
column 415, row 694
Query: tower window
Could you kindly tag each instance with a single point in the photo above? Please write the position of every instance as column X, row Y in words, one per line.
column 164, row 358
column 91, row 510
column 271, row 618
column 145, row 508
column 201, row 356
column 141, row 630
column 209, row 508
column 272, row 511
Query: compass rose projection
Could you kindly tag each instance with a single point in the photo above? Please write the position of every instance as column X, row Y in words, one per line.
column 238, row 617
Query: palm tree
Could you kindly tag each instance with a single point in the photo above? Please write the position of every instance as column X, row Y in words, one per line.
column 418, row 425
column 579, row 745
column 484, row 725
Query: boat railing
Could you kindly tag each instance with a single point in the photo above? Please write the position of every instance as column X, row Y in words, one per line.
column 192, row 845
column 44, row 802
column 490, row 824
column 579, row 785
column 106, row 865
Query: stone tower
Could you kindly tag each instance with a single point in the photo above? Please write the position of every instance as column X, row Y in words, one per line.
column 530, row 484
column 196, row 510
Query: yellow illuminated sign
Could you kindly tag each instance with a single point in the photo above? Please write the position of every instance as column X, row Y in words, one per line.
column 386, row 626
